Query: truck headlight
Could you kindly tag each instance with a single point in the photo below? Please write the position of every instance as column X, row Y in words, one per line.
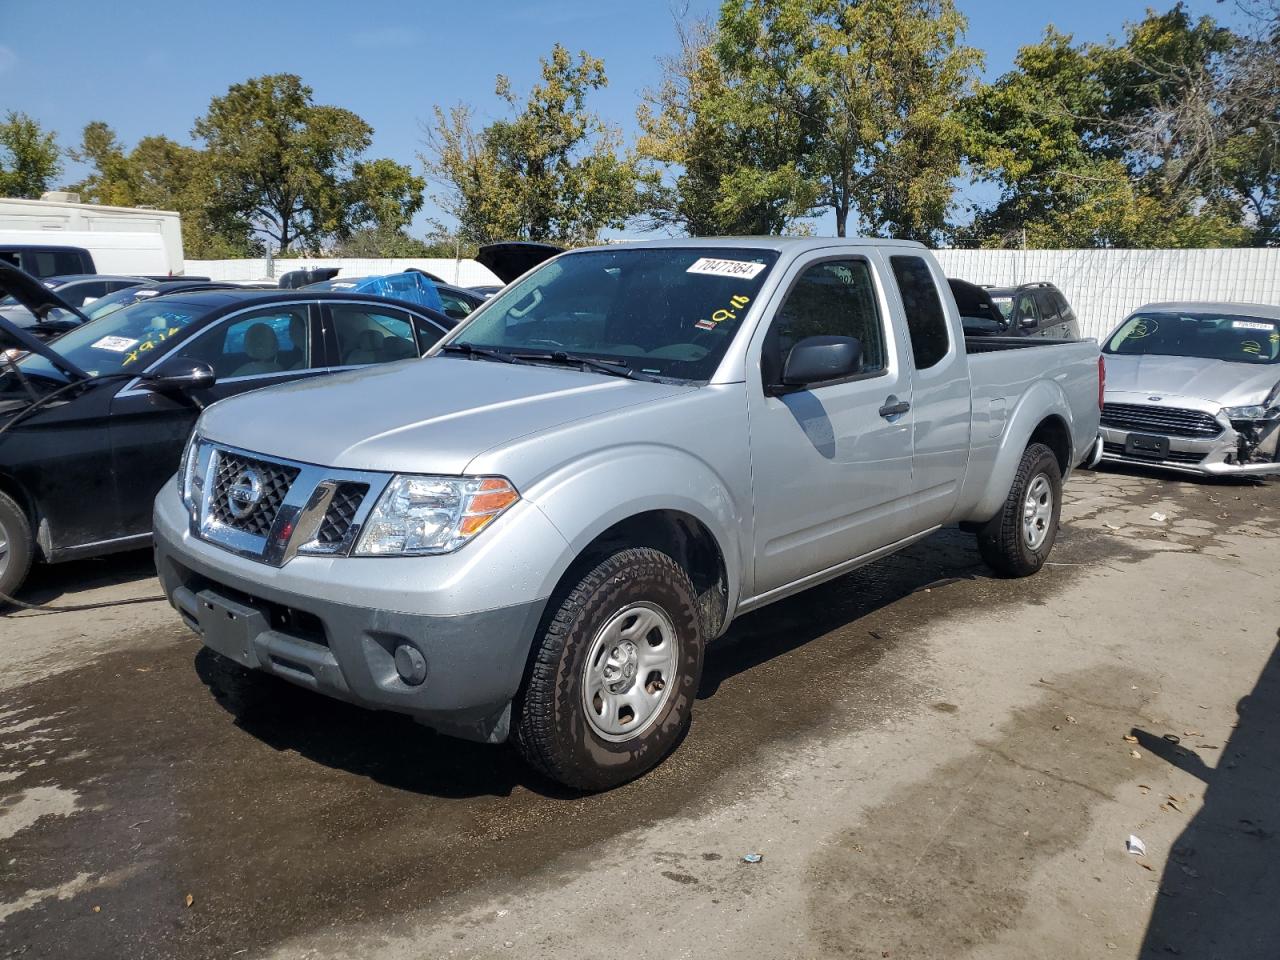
column 1252, row 411
column 423, row 515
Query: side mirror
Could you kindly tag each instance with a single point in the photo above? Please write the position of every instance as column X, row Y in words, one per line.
column 178, row 375
column 1028, row 323
column 821, row 359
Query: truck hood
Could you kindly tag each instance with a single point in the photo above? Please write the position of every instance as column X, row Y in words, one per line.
column 1214, row 381
column 418, row 416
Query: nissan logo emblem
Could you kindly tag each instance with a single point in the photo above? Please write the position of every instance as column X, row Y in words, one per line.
column 1155, row 399
column 244, row 493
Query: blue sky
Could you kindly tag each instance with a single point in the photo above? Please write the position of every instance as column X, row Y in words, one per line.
column 149, row 67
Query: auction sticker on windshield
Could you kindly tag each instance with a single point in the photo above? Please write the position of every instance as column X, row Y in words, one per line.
column 1250, row 325
column 114, row 344
column 725, row 268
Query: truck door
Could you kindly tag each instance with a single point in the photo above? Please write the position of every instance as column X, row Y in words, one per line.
column 941, row 397
column 831, row 464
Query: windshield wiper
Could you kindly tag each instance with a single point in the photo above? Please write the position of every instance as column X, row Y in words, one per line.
column 614, row 368
column 481, row 353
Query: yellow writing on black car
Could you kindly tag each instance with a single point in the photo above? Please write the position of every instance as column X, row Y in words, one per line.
column 149, row 344
column 736, row 303
column 1251, row 346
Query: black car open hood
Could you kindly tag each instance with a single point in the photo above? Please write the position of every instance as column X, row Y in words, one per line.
column 509, row 260
column 33, row 294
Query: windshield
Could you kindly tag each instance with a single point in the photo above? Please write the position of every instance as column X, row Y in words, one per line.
column 663, row 311
column 114, row 301
column 120, row 342
column 1211, row 336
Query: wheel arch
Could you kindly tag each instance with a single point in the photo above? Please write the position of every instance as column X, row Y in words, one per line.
column 11, row 487
column 679, row 534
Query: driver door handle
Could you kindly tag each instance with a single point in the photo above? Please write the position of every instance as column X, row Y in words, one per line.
column 894, row 407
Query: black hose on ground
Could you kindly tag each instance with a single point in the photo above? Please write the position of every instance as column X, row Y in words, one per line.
column 6, row 600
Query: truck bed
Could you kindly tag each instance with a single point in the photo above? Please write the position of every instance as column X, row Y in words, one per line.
column 1045, row 375
column 974, row 345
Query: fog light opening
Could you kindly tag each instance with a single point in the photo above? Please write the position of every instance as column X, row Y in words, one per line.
column 410, row 664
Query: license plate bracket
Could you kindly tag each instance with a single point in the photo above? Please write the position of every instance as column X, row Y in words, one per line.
column 228, row 626
column 1146, row 445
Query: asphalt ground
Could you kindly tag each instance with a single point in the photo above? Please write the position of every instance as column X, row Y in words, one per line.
column 930, row 762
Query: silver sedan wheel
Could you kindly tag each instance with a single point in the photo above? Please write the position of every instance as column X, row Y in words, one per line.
column 1037, row 511
column 630, row 671
column 4, row 550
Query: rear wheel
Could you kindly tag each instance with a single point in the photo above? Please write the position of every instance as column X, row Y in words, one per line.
column 1017, row 541
column 17, row 548
column 614, row 676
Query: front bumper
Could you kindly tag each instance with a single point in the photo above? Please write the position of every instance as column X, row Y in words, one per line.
column 1216, row 457
column 288, row 622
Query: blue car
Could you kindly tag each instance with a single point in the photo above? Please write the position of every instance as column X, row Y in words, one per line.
column 410, row 286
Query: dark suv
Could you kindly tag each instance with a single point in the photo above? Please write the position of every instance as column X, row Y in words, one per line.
column 1036, row 310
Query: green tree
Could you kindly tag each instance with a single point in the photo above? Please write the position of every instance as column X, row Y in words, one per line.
column 1165, row 139
column 551, row 172
column 29, row 157
column 382, row 241
column 726, row 166
column 873, row 86
column 161, row 173
column 291, row 168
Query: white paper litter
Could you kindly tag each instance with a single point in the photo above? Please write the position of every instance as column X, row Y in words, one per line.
column 1135, row 846
column 1159, row 517
column 114, row 344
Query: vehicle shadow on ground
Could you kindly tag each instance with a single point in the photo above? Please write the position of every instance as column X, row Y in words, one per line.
column 48, row 582
column 395, row 751
column 1221, row 888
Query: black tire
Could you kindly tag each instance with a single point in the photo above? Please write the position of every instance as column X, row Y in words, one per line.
column 1003, row 540
column 17, row 547
column 553, row 731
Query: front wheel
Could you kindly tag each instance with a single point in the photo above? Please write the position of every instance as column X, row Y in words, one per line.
column 17, row 548
column 614, row 675
column 1016, row 542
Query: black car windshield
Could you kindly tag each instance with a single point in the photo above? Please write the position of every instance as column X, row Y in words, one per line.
column 1209, row 335
column 119, row 342
column 662, row 311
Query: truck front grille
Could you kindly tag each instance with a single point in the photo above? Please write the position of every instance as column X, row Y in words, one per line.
column 342, row 511
column 1167, row 421
column 269, row 483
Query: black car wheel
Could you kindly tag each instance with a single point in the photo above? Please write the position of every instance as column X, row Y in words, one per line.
column 17, row 548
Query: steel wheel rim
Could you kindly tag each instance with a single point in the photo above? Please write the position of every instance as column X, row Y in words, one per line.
column 1037, row 511
column 630, row 672
column 4, row 549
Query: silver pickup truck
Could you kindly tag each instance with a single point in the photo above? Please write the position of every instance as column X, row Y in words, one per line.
column 535, row 531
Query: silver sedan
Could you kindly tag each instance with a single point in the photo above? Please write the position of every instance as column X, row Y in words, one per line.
column 1195, row 387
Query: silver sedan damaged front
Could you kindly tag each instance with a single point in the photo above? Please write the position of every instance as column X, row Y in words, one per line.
column 1195, row 387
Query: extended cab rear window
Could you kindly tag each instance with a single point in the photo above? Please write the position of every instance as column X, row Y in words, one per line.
column 926, row 320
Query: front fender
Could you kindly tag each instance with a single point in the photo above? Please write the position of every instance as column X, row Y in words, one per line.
column 1042, row 400
column 586, row 497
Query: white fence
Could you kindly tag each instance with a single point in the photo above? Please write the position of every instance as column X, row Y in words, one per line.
column 464, row 273
column 1102, row 285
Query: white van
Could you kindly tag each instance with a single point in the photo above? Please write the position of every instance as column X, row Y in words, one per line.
column 125, row 253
